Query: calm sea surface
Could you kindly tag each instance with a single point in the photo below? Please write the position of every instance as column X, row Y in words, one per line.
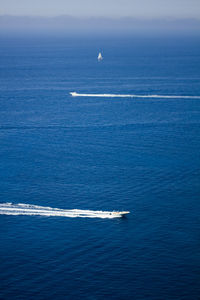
column 140, row 155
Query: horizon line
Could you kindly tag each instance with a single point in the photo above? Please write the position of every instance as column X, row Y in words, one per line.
column 140, row 18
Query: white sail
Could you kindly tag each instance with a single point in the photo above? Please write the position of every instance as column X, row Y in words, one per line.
column 100, row 57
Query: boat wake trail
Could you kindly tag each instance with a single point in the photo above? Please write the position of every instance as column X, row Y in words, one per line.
column 74, row 94
column 33, row 210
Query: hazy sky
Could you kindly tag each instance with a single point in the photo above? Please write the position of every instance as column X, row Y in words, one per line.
column 108, row 8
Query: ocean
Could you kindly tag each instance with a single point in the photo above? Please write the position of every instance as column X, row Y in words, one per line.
column 137, row 154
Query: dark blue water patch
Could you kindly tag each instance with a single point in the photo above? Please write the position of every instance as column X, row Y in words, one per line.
column 140, row 155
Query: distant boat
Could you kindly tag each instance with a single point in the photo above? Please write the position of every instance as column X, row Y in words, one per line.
column 73, row 94
column 100, row 57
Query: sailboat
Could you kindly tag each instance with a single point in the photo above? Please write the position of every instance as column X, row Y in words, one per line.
column 100, row 57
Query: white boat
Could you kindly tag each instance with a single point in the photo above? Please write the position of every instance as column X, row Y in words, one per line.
column 100, row 57
column 120, row 213
column 73, row 94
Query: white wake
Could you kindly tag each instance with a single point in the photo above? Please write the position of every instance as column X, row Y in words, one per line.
column 27, row 209
column 74, row 94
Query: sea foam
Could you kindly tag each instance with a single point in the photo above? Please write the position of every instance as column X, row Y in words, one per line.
column 74, row 94
column 31, row 210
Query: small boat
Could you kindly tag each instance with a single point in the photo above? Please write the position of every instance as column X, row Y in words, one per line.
column 73, row 94
column 120, row 213
column 100, row 57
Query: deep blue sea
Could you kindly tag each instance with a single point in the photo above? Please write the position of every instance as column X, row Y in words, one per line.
column 100, row 153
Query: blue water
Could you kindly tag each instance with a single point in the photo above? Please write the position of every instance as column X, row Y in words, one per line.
column 140, row 155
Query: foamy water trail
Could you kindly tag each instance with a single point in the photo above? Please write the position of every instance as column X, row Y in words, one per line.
column 74, row 94
column 31, row 210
